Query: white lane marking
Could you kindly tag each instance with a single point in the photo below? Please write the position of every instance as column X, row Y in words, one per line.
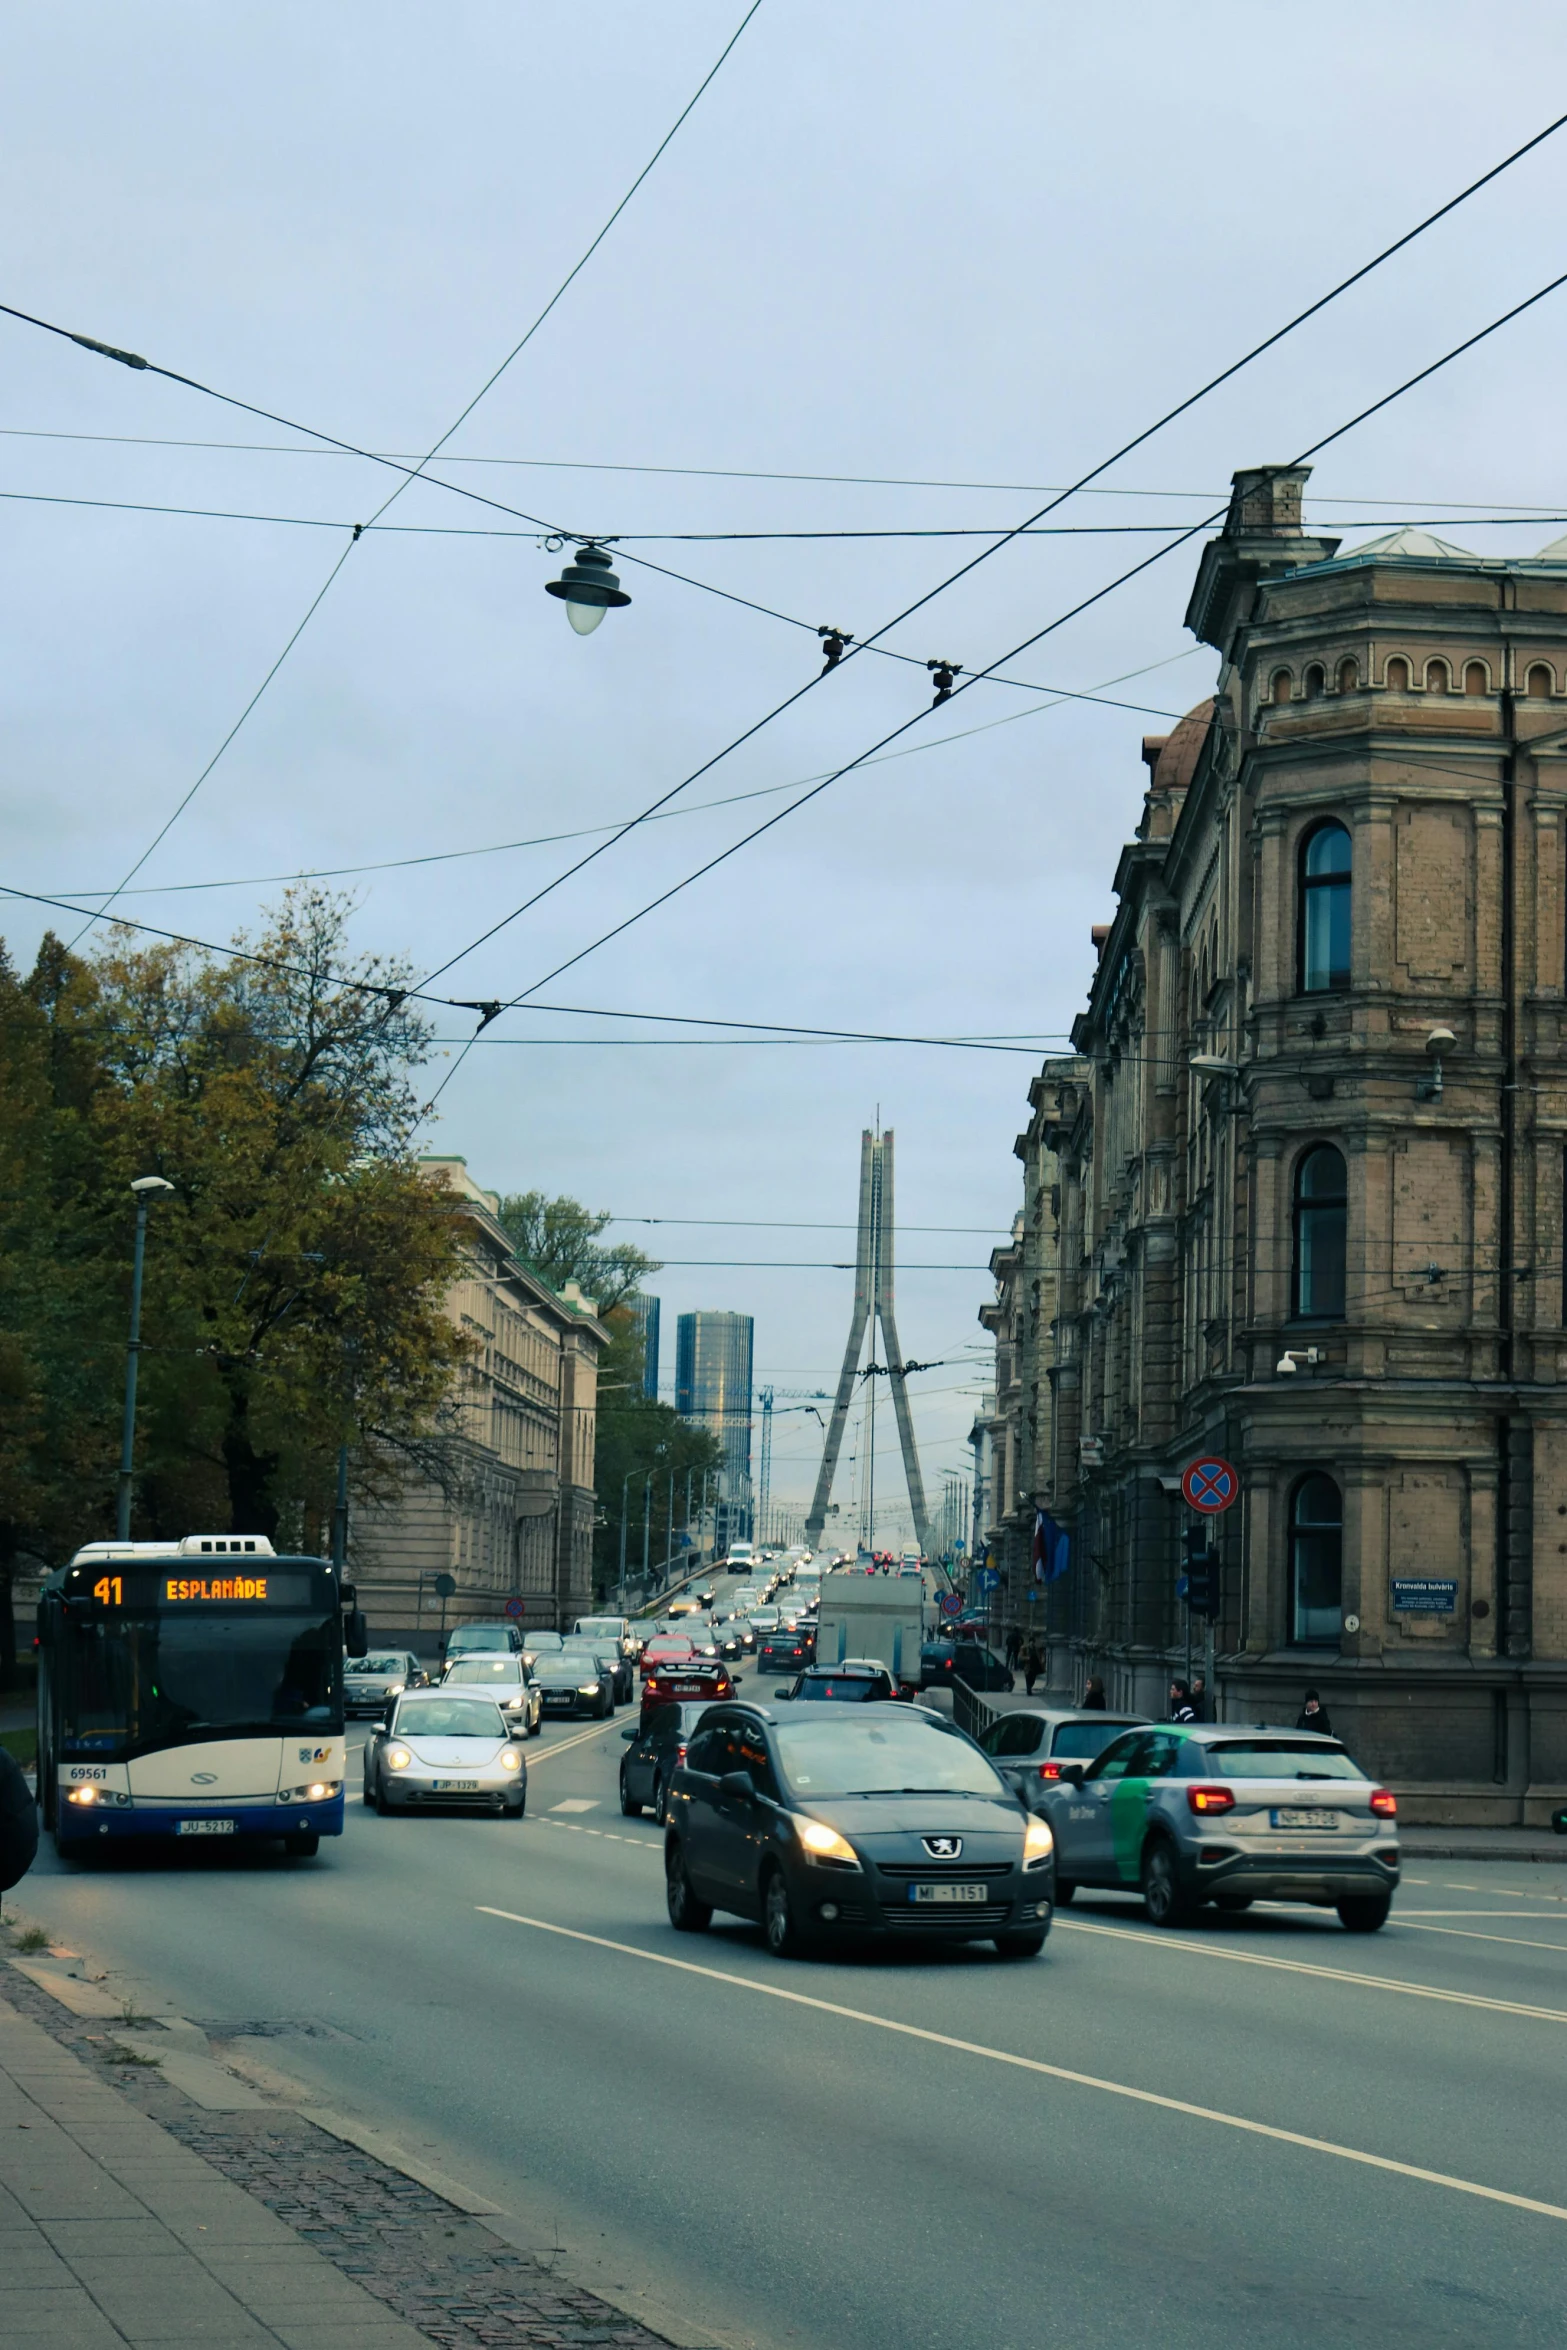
column 1053, row 2072
column 589, row 1803
column 565, row 1745
column 1331, row 1974
column 1514, row 1941
column 608, row 1835
column 1532, row 1914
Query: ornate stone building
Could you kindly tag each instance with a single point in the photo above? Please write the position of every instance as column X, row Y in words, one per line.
column 510, row 1516
column 1310, row 1171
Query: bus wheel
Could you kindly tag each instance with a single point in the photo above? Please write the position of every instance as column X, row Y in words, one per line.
column 303, row 1846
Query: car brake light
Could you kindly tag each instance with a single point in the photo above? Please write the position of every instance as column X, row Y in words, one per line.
column 1209, row 1799
column 1384, row 1803
column 1050, row 1770
column 680, row 1754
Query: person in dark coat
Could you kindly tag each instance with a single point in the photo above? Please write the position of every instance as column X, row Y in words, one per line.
column 1200, row 1697
column 18, row 1823
column 1033, row 1664
column 1314, row 1716
column 1181, row 1707
column 1094, row 1696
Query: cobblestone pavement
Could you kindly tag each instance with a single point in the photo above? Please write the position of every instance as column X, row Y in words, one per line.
column 436, row 2267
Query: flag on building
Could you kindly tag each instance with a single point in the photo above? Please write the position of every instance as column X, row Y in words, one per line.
column 1052, row 1550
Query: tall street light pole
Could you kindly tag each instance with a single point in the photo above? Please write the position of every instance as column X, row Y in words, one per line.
column 145, row 1189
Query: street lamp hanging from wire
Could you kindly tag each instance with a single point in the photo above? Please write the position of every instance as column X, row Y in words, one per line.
column 588, row 588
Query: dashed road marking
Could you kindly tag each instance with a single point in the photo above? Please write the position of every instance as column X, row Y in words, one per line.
column 1331, row 1974
column 1034, row 2064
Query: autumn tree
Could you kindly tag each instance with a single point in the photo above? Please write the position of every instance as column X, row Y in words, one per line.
column 294, row 1296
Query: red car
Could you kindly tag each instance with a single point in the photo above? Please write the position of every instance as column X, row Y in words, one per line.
column 665, row 1648
column 679, row 1683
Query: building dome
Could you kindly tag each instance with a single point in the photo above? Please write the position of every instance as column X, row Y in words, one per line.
column 1180, row 751
column 1411, row 541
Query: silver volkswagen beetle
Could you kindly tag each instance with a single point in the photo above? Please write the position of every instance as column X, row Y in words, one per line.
column 446, row 1749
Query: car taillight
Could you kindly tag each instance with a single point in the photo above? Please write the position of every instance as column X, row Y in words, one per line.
column 1210, row 1799
column 1384, row 1803
column 1050, row 1770
column 680, row 1754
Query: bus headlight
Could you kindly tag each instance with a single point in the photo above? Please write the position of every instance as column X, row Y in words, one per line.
column 108, row 1798
column 321, row 1791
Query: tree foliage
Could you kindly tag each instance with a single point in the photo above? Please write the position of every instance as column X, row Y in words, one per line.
column 559, row 1239
column 295, row 1279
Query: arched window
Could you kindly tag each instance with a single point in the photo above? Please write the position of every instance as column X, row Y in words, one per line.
column 1539, row 687
column 1317, row 1563
column 1475, row 678
column 1398, row 675
column 1316, row 680
column 1280, row 688
column 1348, row 676
column 1325, row 885
column 1437, row 678
column 1320, row 1216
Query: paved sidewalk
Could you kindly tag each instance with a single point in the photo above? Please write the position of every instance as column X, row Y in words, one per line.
column 112, row 2233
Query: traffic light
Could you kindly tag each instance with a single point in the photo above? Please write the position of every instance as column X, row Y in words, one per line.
column 1202, row 1574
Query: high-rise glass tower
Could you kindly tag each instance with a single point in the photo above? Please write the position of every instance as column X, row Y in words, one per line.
column 644, row 1315
column 713, row 1389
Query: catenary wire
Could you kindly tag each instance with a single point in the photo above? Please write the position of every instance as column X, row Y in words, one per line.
column 985, row 554
column 1422, row 376
column 357, row 529
column 1312, row 310
column 695, row 472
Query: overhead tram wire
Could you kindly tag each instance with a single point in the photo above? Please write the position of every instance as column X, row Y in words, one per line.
column 767, row 791
column 1225, row 375
column 134, row 360
column 1205, row 523
column 1039, row 489
column 357, row 529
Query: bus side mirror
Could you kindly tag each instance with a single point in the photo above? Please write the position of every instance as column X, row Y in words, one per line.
column 356, row 1633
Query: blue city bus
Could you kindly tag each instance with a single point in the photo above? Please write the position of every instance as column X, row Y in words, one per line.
column 191, row 1689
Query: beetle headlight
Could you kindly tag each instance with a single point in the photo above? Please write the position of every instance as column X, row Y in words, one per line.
column 398, row 1758
column 824, row 1843
column 1038, row 1844
column 511, row 1760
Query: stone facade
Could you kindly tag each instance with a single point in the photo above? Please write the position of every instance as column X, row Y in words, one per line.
column 511, row 1514
column 1307, row 1202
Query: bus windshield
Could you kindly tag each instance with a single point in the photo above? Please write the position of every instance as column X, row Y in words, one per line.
column 132, row 1683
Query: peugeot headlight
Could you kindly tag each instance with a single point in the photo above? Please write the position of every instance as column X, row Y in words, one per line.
column 1038, row 1845
column 398, row 1758
column 511, row 1760
column 824, row 1843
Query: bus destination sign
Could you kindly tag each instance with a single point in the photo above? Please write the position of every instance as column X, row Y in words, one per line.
column 141, row 1589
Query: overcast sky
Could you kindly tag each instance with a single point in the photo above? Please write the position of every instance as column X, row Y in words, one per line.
column 970, row 247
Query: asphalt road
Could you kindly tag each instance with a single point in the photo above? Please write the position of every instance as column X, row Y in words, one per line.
column 1210, row 2138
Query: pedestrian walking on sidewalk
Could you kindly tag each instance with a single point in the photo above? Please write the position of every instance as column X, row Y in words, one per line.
column 1033, row 1665
column 1200, row 1698
column 18, row 1823
column 1014, row 1647
column 1181, row 1707
column 1314, row 1716
column 1094, row 1695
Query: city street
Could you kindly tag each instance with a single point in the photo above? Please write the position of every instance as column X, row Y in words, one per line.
column 1215, row 2136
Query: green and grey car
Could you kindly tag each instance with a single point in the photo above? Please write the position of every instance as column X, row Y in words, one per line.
column 1189, row 1813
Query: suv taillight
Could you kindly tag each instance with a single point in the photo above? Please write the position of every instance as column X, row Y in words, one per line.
column 1384, row 1803
column 1210, row 1799
column 1050, row 1770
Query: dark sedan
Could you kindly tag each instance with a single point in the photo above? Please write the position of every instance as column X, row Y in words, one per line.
column 607, row 1656
column 573, row 1685
column 944, row 1661
column 785, row 1652
column 846, row 1684
column 829, row 1822
column 654, row 1753
column 369, row 1681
